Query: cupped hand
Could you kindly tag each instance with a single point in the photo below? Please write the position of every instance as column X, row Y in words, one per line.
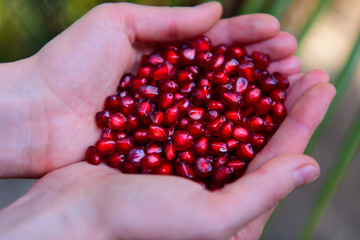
column 70, row 77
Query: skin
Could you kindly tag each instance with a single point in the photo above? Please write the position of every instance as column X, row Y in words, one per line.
column 50, row 100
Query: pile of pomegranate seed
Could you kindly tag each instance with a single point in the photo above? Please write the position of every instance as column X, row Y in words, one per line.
column 192, row 110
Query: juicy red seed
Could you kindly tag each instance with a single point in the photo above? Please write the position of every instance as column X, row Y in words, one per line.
column 221, row 160
column 141, row 136
column 132, row 123
column 245, row 150
column 144, row 72
column 116, row 159
column 201, row 96
column 184, row 76
column 166, row 100
column 278, row 95
column 145, row 108
column 120, row 135
column 147, row 91
column 165, row 169
column 246, row 59
column 268, row 83
column 171, row 116
column 124, row 145
column 170, row 131
column 283, row 81
column 92, row 156
column 162, row 71
column 196, row 129
column 112, row 102
column 124, row 93
column 170, row 153
column 168, row 86
column 240, row 85
column 231, row 99
column 270, row 125
column 227, row 130
column 255, row 123
column 125, row 81
column 232, row 144
column 260, row 74
column 217, row 62
column 258, row 140
column 233, row 116
column 220, row 77
column 151, row 161
column 262, row 61
column 201, row 146
column 216, row 125
column 204, row 59
column 203, row 167
column 223, row 174
column 203, row 82
column 107, row 133
column 202, row 43
column 172, row 56
column 216, row 105
column 184, row 105
column 130, row 168
column 117, row 121
column 127, row 105
column 263, row 106
column 157, row 133
column 102, row 118
column 212, row 115
column 184, row 123
column 196, row 114
column 230, row 67
column 187, row 89
column 135, row 155
column 137, row 82
column 153, row 147
column 252, row 96
column 218, row 147
column 187, row 156
column 182, row 140
column 154, row 59
column 247, row 70
column 224, row 88
column 157, row 118
column 240, row 133
column 236, row 52
column 279, row 112
column 187, row 54
column 105, row 146
column 237, row 165
column 185, row 170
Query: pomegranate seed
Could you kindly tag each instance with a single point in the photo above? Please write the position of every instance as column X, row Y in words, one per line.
column 247, row 70
column 236, row 52
column 217, row 148
column 125, row 81
column 132, row 123
column 116, row 159
column 166, row 100
column 196, row 114
column 137, row 82
column 127, row 105
column 165, row 169
column 224, row 88
column 220, row 49
column 279, row 112
column 255, row 123
column 182, row 140
column 120, row 135
column 102, row 118
column 135, row 155
column 268, row 83
column 202, row 43
column 144, row 72
column 270, row 125
column 187, row 156
column 154, row 59
column 157, row 118
column 258, row 140
column 245, row 150
column 230, row 67
column 232, row 144
column 124, row 145
column 212, row 115
column 185, row 170
column 263, row 106
column 233, row 116
column 112, row 103
column 203, row 167
column 171, row 116
column 141, row 136
column 187, row 89
column 201, row 146
column 252, row 96
column 227, row 130
column 262, row 61
column 221, row 160
column 168, row 86
column 237, row 165
column 145, row 108
column 117, row 121
column 162, row 71
column 231, row 99
column 107, row 133
column 187, row 54
column 147, row 91
column 183, row 105
column 170, row 153
column 172, row 56
column 240, row 133
column 201, row 96
column 157, row 133
column 283, row 82
column 217, row 62
column 216, row 125
column 222, row 174
column 151, row 161
column 196, row 129
column 204, row 59
column 260, row 74
column 240, row 85
column 278, row 95
column 184, row 76
column 216, row 105
column 184, row 123
column 92, row 156
column 105, row 146
column 153, row 147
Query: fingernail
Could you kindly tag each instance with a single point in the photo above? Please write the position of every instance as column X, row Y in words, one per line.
column 305, row 175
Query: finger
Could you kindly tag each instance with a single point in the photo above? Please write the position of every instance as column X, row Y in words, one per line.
column 278, row 47
column 290, row 65
column 244, row 29
column 256, row 193
column 298, row 127
column 149, row 23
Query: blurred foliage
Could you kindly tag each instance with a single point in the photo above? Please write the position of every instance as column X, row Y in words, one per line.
column 27, row 25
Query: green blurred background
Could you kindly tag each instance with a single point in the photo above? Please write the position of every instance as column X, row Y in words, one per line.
column 328, row 32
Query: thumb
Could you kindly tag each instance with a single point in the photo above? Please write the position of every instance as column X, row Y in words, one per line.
column 260, row 191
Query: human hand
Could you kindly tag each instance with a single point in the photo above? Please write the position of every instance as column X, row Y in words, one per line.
column 82, row 65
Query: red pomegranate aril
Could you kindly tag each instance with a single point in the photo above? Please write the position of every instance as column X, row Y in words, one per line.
column 222, row 174
column 201, row 146
column 165, row 169
column 105, row 146
column 166, row 100
column 202, row 43
column 135, row 155
column 185, row 170
column 231, row 99
column 203, row 82
column 170, row 132
column 279, row 112
column 216, row 125
column 203, row 167
column 268, row 83
column 201, row 95
column 252, row 96
column 154, row 59
column 204, row 59
column 233, row 116
column 187, row 89
column 116, row 159
column 137, row 82
column 221, row 160
column 132, row 123
column 162, row 71
column 153, row 147
column 117, row 121
column 255, row 123
column 125, row 80
column 236, row 52
column 187, row 156
column 184, row 76
column 183, row 105
column 247, row 70
column 260, row 74
column 124, row 145
column 246, row 59
column 263, row 106
column 240, row 133
column 168, row 86
column 216, row 105
column 127, row 105
column 147, row 91
column 120, row 135
column 107, row 133
column 169, row 151
column 145, row 108
column 247, row 111
column 245, row 150
column 157, row 118
column 258, row 140
column 217, row 62
column 230, row 67
column 182, row 140
column 217, row 148
column 227, row 130
column 262, row 60
column 102, row 118
column 278, row 95
column 144, row 72
column 219, row 91
column 130, row 168
column 171, row 116
column 195, row 114
column 220, row 77
column 283, row 81
column 196, row 129
column 240, row 85
column 212, row 115
column 172, row 56
column 124, row 93
column 232, row 144
column 237, row 165
column 141, row 136
column 151, row 161
column 187, row 54
column 112, row 103
column 184, row 123
column 157, row 133
column 270, row 125
column 92, row 156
